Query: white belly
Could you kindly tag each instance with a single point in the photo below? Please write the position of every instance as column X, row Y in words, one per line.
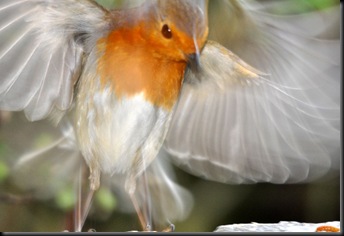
column 118, row 136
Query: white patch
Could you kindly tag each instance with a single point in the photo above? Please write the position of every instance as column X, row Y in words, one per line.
column 118, row 135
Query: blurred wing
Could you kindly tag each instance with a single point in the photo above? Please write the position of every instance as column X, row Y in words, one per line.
column 53, row 158
column 168, row 201
column 41, row 48
column 279, row 127
column 161, row 199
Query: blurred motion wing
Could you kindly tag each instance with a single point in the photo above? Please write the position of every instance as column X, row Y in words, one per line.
column 235, row 124
column 41, row 48
column 168, row 201
column 160, row 197
column 53, row 158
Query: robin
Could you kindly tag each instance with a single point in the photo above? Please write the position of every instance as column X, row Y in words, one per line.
column 133, row 79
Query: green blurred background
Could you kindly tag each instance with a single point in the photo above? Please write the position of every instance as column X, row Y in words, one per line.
column 215, row 203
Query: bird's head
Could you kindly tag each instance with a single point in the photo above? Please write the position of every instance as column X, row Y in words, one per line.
column 176, row 30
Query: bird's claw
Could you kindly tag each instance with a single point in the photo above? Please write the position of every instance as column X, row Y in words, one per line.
column 170, row 228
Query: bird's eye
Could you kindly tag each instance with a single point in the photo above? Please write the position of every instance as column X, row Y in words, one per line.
column 166, row 31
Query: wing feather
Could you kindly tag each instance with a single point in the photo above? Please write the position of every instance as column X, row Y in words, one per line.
column 236, row 124
column 41, row 52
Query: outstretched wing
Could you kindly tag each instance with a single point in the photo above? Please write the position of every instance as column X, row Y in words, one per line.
column 234, row 124
column 41, row 48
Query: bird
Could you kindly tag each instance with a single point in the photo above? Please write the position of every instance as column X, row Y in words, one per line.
column 254, row 100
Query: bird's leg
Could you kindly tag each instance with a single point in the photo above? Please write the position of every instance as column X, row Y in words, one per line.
column 82, row 211
column 94, row 176
column 139, row 184
column 130, row 186
column 83, row 204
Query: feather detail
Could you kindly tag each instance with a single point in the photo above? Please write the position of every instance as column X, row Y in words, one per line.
column 283, row 128
column 37, row 76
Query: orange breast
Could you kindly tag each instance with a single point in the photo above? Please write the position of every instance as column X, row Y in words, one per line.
column 128, row 65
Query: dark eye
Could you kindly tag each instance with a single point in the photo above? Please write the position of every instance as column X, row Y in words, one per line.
column 166, row 31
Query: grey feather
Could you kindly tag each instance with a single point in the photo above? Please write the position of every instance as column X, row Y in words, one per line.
column 278, row 125
column 41, row 49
